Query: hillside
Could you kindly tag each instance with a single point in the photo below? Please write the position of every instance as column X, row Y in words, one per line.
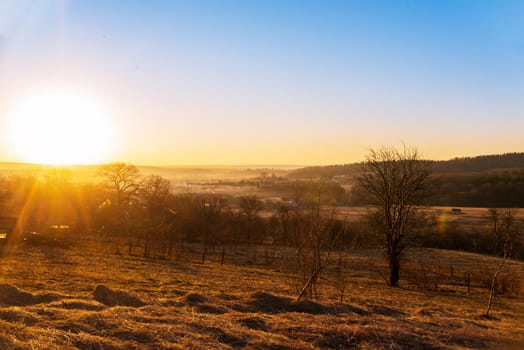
column 89, row 298
column 482, row 163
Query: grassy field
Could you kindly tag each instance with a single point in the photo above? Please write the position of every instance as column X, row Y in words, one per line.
column 87, row 297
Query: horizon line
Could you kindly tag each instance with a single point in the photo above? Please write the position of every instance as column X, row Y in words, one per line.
column 237, row 165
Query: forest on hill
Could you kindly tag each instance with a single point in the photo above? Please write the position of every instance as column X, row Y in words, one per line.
column 482, row 163
column 486, row 189
column 482, row 181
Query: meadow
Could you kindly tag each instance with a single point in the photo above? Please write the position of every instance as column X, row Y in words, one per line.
column 88, row 297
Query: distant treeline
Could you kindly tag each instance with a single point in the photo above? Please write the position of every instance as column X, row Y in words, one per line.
column 480, row 163
column 141, row 215
column 329, row 171
column 483, row 181
column 493, row 189
column 456, row 165
column 503, row 189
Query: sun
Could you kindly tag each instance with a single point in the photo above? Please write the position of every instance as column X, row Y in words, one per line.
column 59, row 128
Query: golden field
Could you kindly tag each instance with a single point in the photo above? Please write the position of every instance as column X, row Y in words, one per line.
column 48, row 301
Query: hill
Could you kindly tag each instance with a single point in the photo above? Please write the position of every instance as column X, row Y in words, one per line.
column 482, row 163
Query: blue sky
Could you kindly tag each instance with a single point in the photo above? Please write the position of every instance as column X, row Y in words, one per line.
column 278, row 82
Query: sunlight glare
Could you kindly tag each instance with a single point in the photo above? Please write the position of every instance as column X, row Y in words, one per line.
column 59, row 128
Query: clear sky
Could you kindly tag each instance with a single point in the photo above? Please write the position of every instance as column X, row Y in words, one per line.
column 276, row 82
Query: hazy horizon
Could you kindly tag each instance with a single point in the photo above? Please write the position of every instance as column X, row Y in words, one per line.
column 225, row 166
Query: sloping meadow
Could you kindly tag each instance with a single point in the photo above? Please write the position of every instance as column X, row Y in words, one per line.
column 52, row 298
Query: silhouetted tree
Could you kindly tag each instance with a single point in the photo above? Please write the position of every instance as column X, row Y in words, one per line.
column 506, row 230
column 154, row 195
column 396, row 182
column 250, row 206
column 122, row 181
column 212, row 209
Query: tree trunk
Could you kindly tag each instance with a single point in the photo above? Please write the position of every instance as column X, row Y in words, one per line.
column 309, row 283
column 493, row 285
column 394, row 271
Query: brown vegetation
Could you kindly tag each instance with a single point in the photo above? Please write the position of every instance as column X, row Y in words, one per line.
column 49, row 301
column 203, row 270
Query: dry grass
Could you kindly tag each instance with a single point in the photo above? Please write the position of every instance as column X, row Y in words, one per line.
column 86, row 298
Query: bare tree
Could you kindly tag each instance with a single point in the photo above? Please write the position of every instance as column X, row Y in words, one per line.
column 315, row 231
column 316, row 245
column 250, row 206
column 212, row 208
column 395, row 180
column 506, row 230
column 122, row 181
column 154, row 195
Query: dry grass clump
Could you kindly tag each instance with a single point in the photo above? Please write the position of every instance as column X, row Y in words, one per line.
column 267, row 303
column 112, row 297
column 194, row 299
column 13, row 296
column 310, row 307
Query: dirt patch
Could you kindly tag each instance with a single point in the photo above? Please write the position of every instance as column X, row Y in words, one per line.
column 13, row 296
column 111, row 297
